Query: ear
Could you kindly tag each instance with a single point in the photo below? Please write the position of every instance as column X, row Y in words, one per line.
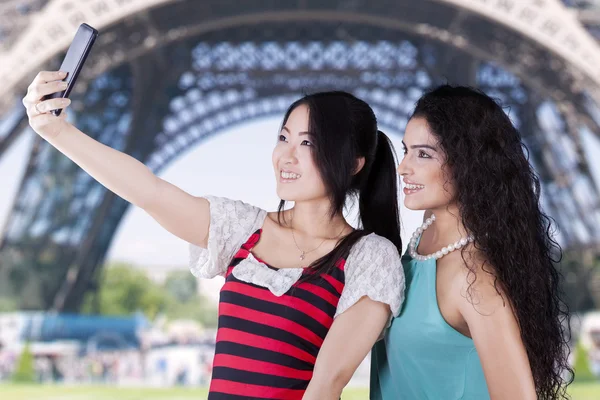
column 360, row 163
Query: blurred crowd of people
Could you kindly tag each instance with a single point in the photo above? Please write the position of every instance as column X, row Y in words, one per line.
column 185, row 365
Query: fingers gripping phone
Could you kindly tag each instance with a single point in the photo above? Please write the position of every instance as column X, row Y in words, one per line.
column 73, row 62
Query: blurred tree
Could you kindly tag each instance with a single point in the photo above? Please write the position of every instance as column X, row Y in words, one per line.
column 197, row 308
column 580, row 269
column 583, row 373
column 8, row 304
column 125, row 289
column 25, row 370
column 182, row 285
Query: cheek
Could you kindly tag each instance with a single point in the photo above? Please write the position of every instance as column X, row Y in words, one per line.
column 444, row 185
column 275, row 156
column 432, row 176
column 306, row 161
column 310, row 168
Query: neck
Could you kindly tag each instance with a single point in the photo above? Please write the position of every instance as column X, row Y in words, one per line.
column 448, row 226
column 313, row 218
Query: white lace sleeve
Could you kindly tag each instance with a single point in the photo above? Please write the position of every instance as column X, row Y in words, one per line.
column 373, row 269
column 231, row 224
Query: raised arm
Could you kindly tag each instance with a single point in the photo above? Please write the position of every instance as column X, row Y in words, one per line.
column 182, row 214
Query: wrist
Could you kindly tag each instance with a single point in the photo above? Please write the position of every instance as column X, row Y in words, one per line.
column 324, row 389
column 51, row 129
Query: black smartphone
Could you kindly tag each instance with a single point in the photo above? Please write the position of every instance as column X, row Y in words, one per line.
column 73, row 62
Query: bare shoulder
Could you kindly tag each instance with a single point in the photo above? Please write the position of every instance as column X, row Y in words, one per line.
column 481, row 291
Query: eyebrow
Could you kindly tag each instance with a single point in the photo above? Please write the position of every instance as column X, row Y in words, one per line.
column 421, row 146
column 299, row 133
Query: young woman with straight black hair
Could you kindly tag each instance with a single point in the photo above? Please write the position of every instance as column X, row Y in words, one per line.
column 306, row 295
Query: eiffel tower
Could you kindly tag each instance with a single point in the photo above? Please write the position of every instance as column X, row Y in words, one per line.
column 165, row 75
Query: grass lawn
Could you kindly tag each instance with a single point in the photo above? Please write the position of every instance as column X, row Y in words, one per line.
column 585, row 391
column 581, row 391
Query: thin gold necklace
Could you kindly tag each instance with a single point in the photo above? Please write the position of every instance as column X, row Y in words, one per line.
column 302, row 252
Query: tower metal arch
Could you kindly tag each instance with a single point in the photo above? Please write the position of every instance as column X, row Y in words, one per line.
column 160, row 99
column 46, row 34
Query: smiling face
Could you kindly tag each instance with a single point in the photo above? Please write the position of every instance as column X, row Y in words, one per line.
column 426, row 181
column 297, row 175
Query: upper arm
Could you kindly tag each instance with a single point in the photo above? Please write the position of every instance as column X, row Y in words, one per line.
column 349, row 340
column 184, row 215
column 373, row 269
column 497, row 337
column 373, row 291
column 229, row 223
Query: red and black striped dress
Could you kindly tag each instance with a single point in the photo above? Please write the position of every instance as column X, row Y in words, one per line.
column 267, row 345
column 270, row 326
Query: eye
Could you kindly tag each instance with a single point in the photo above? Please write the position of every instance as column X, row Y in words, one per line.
column 282, row 138
column 404, row 150
column 306, row 143
column 422, row 154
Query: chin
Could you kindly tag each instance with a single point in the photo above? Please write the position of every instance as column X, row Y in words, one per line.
column 414, row 207
column 414, row 204
column 286, row 195
column 295, row 196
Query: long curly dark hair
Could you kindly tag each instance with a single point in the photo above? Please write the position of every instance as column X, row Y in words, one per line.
column 498, row 195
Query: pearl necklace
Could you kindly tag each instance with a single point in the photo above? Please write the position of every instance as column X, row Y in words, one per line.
column 439, row 254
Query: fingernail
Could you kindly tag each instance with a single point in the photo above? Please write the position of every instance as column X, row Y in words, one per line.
column 64, row 85
column 62, row 73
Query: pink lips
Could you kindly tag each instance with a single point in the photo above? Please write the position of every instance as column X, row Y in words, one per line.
column 408, row 191
column 288, row 180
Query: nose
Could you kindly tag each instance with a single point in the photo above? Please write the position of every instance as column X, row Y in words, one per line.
column 404, row 167
column 289, row 155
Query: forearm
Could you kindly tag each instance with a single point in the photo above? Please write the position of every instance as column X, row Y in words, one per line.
column 346, row 345
column 117, row 171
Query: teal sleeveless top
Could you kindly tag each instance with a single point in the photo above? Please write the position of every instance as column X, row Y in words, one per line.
column 421, row 356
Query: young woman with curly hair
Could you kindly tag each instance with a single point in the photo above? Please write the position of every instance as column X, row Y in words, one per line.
column 482, row 316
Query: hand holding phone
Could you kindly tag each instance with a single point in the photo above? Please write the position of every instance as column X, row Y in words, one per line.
column 74, row 59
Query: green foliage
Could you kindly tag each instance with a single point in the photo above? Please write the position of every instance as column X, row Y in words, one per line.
column 197, row 308
column 8, row 304
column 182, row 285
column 25, row 371
column 582, row 365
column 125, row 290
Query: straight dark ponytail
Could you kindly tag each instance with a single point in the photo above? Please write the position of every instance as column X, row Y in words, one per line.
column 377, row 204
column 345, row 130
column 378, row 199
